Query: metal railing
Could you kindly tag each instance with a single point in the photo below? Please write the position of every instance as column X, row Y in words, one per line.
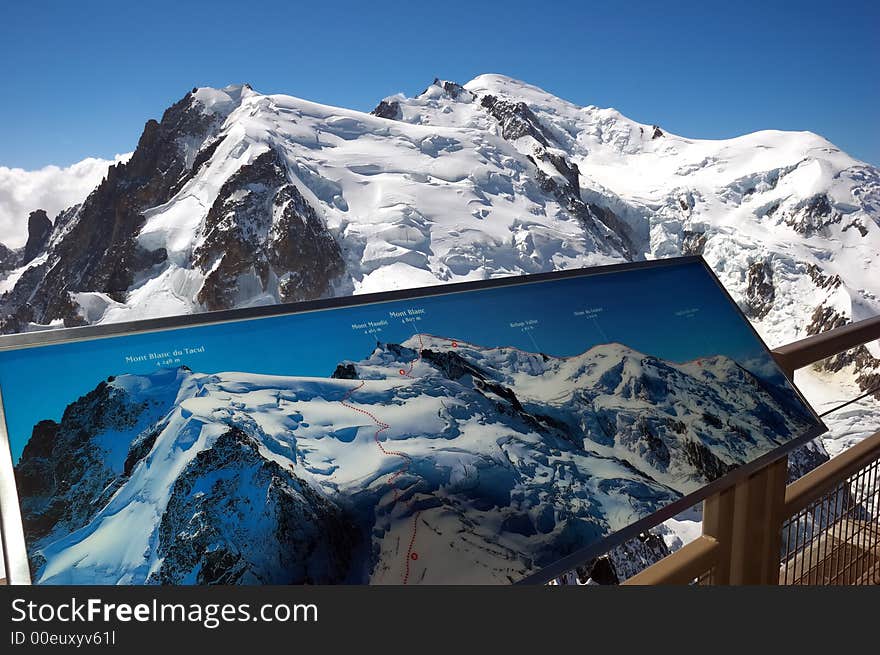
column 822, row 529
column 832, row 535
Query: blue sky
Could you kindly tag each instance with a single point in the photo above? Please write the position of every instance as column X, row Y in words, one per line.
column 676, row 313
column 80, row 78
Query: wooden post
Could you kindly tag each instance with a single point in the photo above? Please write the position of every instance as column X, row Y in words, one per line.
column 718, row 524
column 747, row 520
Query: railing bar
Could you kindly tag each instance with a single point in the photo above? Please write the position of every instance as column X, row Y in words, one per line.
column 827, row 344
column 827, row 540
column 787, row 568
column 851, row 527
column 856, row 483
column 817, row 482
column 797, row 534
column 832, row 537
column 801, row 542
column 871, row 546
column 845, row 489
column 807, row 554
column 790, row 569
column 815, row 520
column 837, row 552
column 814, row 545
column 697, row 557
column 841, row 500
column 850, row 401
column 862, row 540
column 800, row 536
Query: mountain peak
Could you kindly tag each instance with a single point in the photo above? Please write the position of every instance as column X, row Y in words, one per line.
column 39, row 229
column 222, row 101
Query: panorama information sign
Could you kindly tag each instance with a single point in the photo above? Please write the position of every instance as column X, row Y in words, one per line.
column 489, row 432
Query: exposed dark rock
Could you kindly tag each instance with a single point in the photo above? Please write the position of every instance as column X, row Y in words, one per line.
column 821, row 280
column 402, row 352
column 501, row 391
column 205, row 154
column 142, row 259
column 693, row 243
column 655, row 450
column 568, row 170
column 345, row 372
column 824, row 319
column 813, row 215
column 657, row 133
column 453, row 365
column 39, row 229
column 858, row 225
column 602, row 572
column 140, row 448
column 61, row 470
column 8, row 258
column 260, row 224
column 515, row 118
column 452, row 89
column 606, row 227
column 98, row 252
column 804, row 459
column 389, row 110
column 712, row 420
column 760, row 292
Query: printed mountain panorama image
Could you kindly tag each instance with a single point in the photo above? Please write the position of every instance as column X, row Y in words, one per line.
column 434, row 460
column 416, row 441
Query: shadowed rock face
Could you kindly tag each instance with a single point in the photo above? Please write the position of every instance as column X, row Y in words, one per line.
column 345, row 372
column 385, row 109
column 760, row 293
column 63, row 469
column 99, row 251
column 261, row 226
column 813, row 215
column 237, row 518
column 515, row 119
column 8, row 258
column 39, row 229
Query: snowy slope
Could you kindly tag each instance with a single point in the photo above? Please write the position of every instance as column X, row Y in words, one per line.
column 484, row 463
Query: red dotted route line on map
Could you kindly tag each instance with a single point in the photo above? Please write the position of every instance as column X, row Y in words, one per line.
column 381, row 426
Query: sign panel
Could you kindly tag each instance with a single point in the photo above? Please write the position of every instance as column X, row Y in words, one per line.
column 487, row 432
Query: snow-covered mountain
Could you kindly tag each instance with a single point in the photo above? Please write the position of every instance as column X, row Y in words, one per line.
column 236, row 198
column 493, row 178
column 479, row 464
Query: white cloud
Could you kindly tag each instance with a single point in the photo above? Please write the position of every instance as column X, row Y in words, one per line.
column 51, row 188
